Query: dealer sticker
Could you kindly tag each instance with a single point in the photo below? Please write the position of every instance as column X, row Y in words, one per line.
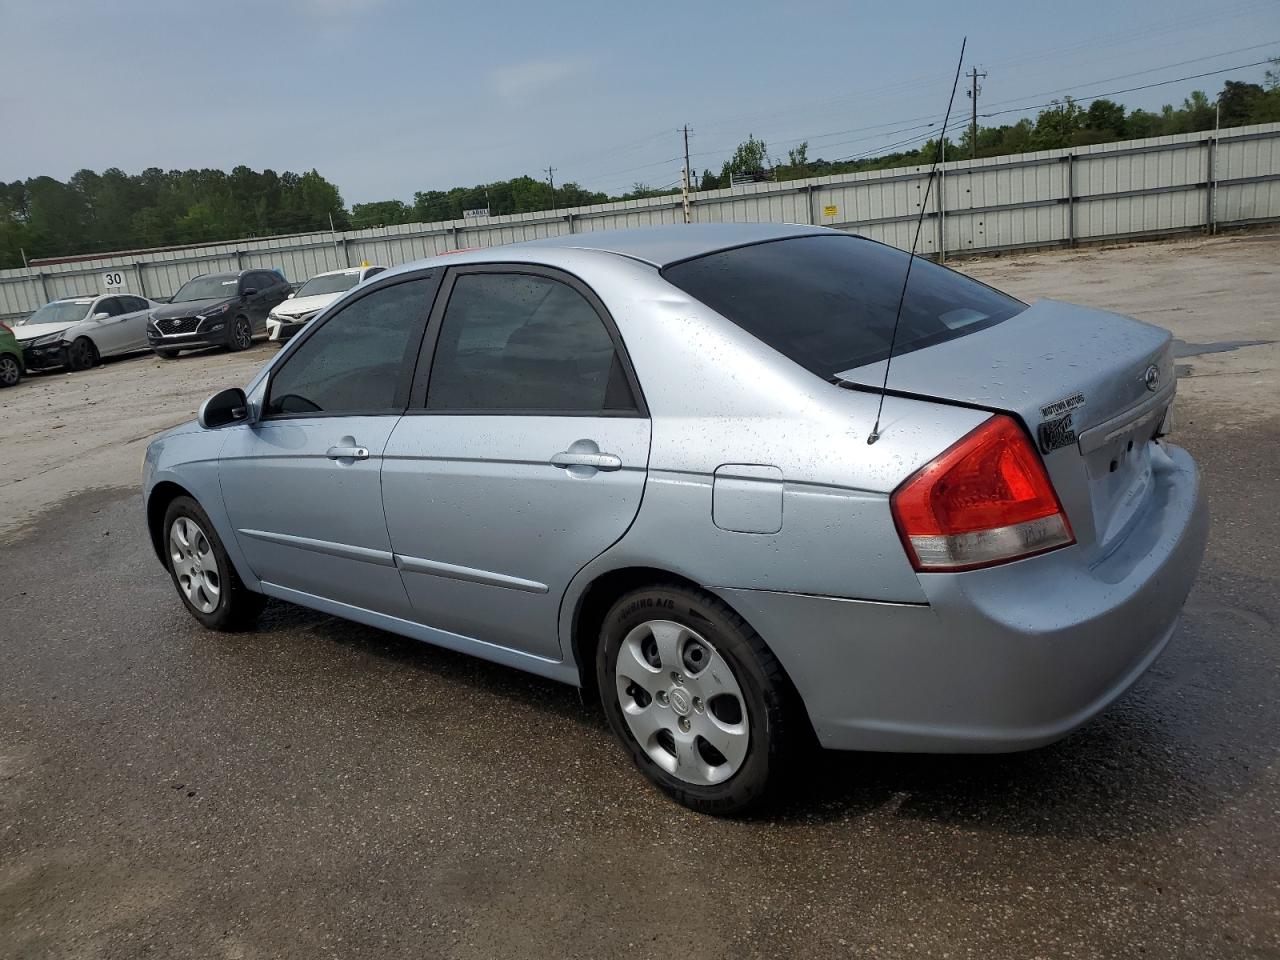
column 1054, row 434
column 1065, row 405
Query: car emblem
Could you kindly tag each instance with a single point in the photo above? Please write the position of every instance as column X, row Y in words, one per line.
column 680, row 701
column 1151, row 377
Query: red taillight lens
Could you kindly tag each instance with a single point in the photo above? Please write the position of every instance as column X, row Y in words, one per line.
column 985, row 500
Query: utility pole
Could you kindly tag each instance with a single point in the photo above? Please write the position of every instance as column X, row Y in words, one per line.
column 973, row 92
column 551, row 178
column 688, row 177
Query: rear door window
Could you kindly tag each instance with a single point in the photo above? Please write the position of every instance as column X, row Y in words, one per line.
column 522, row 343
column 828, row 302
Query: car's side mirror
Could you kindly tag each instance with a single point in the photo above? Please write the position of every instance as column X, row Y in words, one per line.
column 226, row 407
column 101, row 316
column 249, row 291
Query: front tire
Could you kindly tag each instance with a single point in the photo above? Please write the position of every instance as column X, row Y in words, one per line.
column 10, row 370
column 696, row 698
column 167, row 354
column 82, row 354
column 202, row 572
column 241, row 334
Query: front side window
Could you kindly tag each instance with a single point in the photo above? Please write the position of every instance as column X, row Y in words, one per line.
column 110, row 306
column 518, row 342
column 828, row 302
column 358, row 361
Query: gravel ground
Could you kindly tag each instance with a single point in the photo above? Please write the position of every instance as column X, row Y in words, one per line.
column 319, row 789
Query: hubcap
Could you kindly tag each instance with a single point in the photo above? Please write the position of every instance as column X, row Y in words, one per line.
column 194, row 564
column 682, row 702
column 8, row 371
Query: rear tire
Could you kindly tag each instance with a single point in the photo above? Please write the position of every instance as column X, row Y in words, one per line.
column 661, row 669
column 241, row 334
column 10, row 370
column 82, row 354
column 202, row 573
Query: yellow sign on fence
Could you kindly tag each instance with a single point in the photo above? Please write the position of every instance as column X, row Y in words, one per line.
column 830, row 211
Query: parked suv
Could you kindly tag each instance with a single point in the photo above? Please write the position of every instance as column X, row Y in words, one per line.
column 217, row 310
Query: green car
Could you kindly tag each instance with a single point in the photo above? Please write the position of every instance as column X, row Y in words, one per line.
column 11, row 366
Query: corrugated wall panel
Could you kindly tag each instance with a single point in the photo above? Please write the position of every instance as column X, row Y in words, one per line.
column 990, row 204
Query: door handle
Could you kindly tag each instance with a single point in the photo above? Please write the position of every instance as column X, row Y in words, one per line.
column 348, row 453
column 600, row 461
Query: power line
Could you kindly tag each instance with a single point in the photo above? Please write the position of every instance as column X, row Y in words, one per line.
column 1145, row 86
column 1139, row 73
column 930, row 125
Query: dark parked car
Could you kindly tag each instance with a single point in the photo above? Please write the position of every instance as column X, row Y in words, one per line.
column 217, row 310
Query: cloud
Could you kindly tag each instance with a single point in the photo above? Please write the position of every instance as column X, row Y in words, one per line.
column 519, row 81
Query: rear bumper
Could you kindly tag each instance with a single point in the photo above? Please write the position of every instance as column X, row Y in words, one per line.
column 1007, row 658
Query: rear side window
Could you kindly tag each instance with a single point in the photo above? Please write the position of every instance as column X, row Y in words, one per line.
column 514, row 342
column 828, row 302
column 359, row 360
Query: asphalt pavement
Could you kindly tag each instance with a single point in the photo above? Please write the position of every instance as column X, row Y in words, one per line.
column 320, row 789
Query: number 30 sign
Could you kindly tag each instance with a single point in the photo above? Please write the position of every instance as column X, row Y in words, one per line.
column 113, row 279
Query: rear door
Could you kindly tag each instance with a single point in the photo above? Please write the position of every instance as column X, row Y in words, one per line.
column 302, row 485
column 521, row 458
column 134, row 323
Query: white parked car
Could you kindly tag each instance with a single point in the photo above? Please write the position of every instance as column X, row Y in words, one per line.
column 312, row 297
column 77, row 332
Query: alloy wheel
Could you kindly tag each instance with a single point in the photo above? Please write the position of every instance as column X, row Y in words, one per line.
column 682, row 703
column 81, row 354
column 243, row 335
column 194, row 564
column 10, row 372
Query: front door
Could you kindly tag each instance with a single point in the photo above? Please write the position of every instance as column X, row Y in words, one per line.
column 302, row 484
column 111, row 334
column 521, row 459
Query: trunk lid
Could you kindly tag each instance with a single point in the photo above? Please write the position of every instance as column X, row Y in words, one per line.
column 1091, row 387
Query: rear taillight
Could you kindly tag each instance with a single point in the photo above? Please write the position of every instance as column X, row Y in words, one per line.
column 986, row 500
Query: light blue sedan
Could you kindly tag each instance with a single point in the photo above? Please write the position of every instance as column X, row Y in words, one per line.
column 639, row 462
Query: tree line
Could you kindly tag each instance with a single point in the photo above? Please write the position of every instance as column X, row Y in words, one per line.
column 114, row 210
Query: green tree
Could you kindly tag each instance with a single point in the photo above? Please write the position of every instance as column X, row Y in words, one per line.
column 1055, row 126
column 751, row 158
column 380, row 213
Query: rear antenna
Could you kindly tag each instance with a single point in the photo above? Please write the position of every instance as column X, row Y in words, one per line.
column 924, row 205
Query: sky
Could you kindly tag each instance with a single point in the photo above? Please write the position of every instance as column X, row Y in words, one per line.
column 387, row 97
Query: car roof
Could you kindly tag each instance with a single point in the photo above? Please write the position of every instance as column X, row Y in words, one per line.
column 665, row 245
column 86, row 299
column 334, row 273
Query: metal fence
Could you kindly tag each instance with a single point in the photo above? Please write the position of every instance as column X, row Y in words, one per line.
column 1162, row 185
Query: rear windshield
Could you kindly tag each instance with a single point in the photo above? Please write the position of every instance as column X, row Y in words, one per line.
column 828, row 302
